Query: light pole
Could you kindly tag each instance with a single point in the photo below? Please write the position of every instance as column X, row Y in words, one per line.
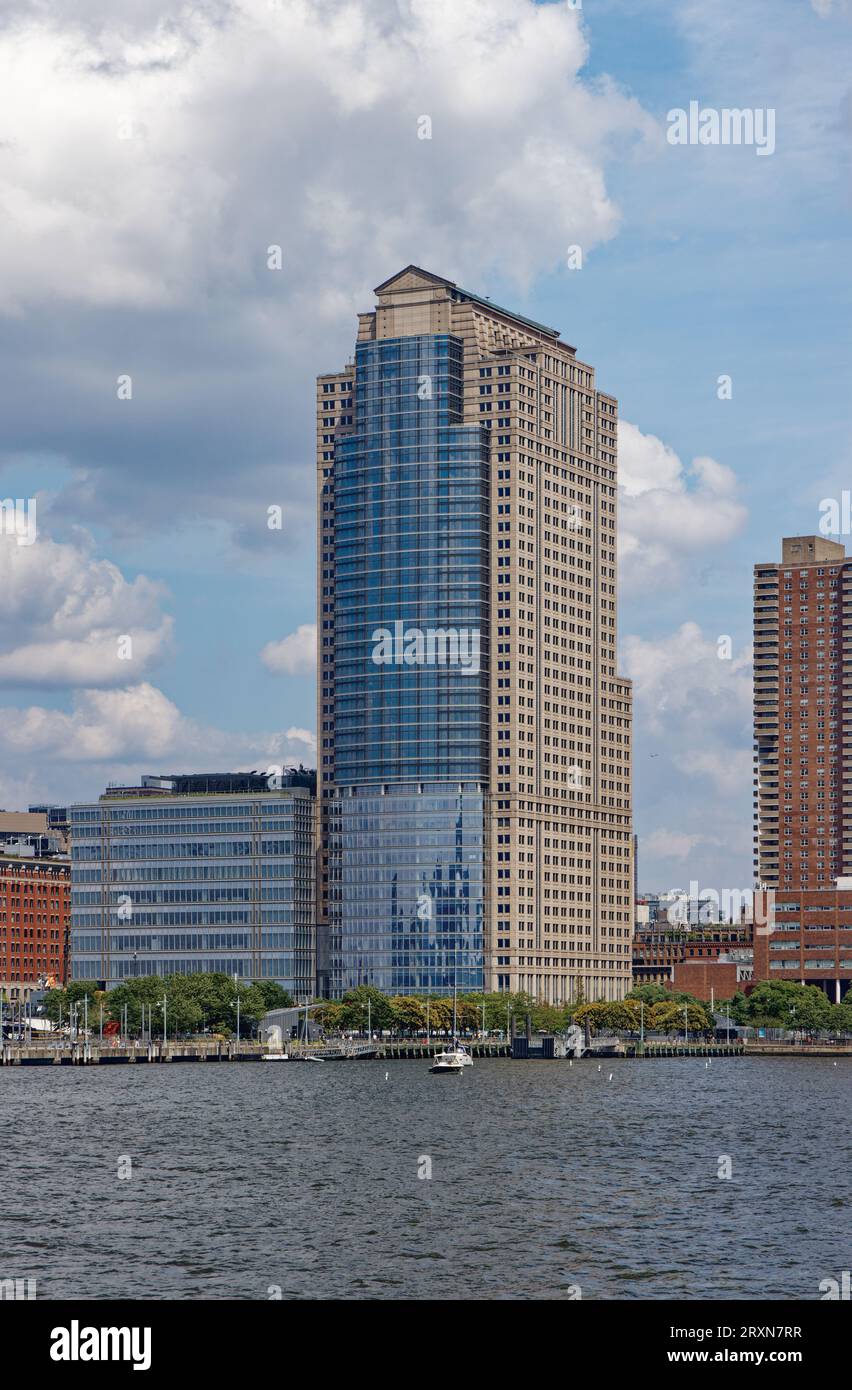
column 685, row 1025
column 165, row 1029
column 642, row 1024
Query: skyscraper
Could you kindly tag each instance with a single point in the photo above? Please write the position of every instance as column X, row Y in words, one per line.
column 799, row 608
column 475, row 748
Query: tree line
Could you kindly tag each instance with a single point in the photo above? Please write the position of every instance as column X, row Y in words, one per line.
column 208, row 1003
column 194, row 1003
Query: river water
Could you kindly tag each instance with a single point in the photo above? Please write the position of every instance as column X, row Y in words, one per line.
column 301, row 1180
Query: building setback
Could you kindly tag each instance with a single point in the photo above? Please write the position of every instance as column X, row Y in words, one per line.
column 35, row 910
column 474, row 822
column 207, row 872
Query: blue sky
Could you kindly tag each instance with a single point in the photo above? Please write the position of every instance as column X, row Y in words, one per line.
column 140, row 199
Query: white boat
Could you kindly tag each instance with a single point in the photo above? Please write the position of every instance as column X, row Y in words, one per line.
column 275, row 1057
column 454, row 1059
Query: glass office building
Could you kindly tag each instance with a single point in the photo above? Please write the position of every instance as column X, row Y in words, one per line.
column 173, row 878
column 411, row 535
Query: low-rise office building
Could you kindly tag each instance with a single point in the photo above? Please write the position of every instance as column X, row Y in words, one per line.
column 201, row 872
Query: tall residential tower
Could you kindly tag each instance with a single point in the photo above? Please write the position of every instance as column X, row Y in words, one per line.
column 801, row 610
column 803, row 812
column 474, row 812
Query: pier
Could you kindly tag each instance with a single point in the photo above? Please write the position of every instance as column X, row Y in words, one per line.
column 93, row 1052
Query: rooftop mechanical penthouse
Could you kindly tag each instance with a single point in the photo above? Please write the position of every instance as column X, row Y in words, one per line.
column 474, row 821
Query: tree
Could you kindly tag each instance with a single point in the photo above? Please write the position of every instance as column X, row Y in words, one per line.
column 409, row 1013
column 593, row 1014
column 840, row 1016
column 329, row 1015
column 356, row 1015
column 132, row 994
column 440, row 1015
column 649, row 994
column 468, row 1015
column 671, row 1017
column 274, row 995
column 74, row 993
column 738, row 1008
column 252, row 1007
column 784, row 1004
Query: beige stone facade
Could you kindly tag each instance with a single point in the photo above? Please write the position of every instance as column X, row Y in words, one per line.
column 559, row 824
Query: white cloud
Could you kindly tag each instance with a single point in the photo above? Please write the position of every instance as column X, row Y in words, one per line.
column 682, row 679
column 669, row 513
column 692, row 755
column 63, row 614
column 162, row 157
column 137, row 725
column 294, row 655
column 64, row 611
column 670, row 844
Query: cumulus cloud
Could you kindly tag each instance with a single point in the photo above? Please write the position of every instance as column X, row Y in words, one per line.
column 150, row 138
column 681, row 677
column 166, row 155
column 294, row 655
column 65, row 611
column 137, row 725
column 667, row 512
column 692, row 755
column 670, row 844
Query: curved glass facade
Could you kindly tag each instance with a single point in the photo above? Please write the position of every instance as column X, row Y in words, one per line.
column 412, row 887
column 411, row 559
column 411, row 652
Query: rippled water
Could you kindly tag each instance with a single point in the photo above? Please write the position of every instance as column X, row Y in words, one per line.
column 544, row 1176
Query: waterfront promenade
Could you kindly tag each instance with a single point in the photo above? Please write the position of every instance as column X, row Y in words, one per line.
column 93, row 1052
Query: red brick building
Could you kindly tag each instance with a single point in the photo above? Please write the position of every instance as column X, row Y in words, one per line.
column 802, row 657
column 658, row 955
column 35, row 919
column 709, row 979
column 808, row 938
